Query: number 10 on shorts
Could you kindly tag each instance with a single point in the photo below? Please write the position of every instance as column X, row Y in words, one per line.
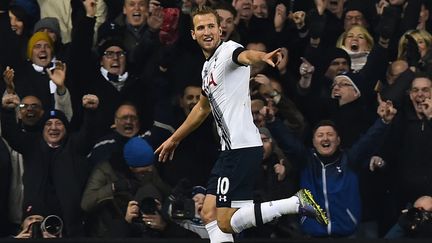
column 222, row 188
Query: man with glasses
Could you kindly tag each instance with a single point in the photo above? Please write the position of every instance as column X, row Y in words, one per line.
column 126, row 125
column 29, row 114
column 54, row 160
column 108, row 77
column 138, row 26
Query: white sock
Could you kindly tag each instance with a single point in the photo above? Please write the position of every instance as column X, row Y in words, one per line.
column 283, row 206
column 216, row 235
column 244, row 217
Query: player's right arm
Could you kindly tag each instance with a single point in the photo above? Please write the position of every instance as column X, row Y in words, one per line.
column 198, row 114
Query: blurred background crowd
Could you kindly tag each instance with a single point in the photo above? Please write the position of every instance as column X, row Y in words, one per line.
column 92, row 87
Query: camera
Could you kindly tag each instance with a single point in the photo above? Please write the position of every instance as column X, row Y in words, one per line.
column 180, row 205
column 183, row 208
column 52, row 224
column 414, row 219
column 148, row 206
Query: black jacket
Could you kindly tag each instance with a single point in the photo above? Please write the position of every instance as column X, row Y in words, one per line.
column 54, row 177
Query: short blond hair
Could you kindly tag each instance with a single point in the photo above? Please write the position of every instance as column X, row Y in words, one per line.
column 364, row 31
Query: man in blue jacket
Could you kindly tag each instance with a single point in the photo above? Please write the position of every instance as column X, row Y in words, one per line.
column 328, row 171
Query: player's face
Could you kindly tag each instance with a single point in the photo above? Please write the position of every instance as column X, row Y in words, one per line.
column 206, row 32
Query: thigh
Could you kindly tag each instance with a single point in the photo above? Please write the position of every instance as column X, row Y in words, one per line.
column 233, row 177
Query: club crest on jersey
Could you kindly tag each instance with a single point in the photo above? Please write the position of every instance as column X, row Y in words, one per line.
column 209, row 81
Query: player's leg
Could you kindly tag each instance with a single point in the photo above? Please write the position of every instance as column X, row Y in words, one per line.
column 257, row 214
column 208, row 212
column 235, row 210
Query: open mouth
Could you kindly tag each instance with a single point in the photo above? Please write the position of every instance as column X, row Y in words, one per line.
column 43, row 56
column 114, row 67
column 354, row 47
column 420, row 104
column 128, row 128
column 223, row 35
column 54, row 134
column 30, row 115
column 208, row 39
column 325, row 145
column 136, row 15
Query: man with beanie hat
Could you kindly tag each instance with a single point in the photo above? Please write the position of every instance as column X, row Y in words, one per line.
column 42, row 76
column 55, row 168
column 317, row 73
column 33, row 216
column 108, row 76
column 51, row 26
column 341, row 81
column 55, row 126
column 117, row 181
column 137, row 28
column 40, row 49
column 138, row 153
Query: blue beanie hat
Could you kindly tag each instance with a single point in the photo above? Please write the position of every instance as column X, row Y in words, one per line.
column 138, row 153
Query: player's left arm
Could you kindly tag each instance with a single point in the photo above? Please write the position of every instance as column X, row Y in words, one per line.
column 250, row 57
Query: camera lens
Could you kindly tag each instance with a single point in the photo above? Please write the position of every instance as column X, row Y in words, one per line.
column 52, row 224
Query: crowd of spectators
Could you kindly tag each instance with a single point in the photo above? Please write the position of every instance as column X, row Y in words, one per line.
column 91, row 87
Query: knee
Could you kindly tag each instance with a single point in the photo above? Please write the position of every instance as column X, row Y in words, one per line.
column 225, row 225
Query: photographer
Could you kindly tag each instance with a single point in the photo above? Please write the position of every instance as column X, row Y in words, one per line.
column 36, row 226
column 415, row 222
column 145, row 219
column 115, row 182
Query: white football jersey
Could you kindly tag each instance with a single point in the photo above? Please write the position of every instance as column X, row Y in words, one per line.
column 226, row 85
